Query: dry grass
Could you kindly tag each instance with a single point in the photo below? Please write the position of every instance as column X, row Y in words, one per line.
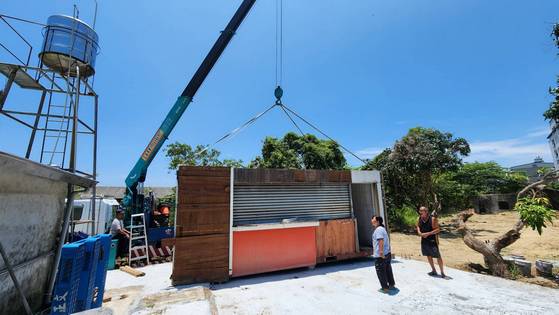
column 486, row 227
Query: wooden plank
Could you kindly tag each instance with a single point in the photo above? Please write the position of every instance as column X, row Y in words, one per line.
column 191, row 182
column 196, row 190
column 187, row 198
column 195, row 251
column 341, row 257
column 200, row 275
column 132, row 271
column 203, row 171
column 201, row 259
column 200, row 219
column 201, row 229
column 335, row 238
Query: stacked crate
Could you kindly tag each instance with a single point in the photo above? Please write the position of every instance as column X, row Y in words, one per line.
column 100, row 275
column 68, row 279
column 87, row 275
column 202, row 225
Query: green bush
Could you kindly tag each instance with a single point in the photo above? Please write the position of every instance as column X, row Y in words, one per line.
column 535, row 212
column 403, row 218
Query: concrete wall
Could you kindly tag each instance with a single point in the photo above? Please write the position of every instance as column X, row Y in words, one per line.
column 493, row 203
column 32, row 198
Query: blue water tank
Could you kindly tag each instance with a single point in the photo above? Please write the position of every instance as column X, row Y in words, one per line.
column 69, row 43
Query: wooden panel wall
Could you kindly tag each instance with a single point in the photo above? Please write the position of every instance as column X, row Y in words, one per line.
column 202, row 225
column 335, row 240
column 262, row 176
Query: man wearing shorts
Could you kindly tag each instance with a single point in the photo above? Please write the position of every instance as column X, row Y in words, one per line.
column 428, row 229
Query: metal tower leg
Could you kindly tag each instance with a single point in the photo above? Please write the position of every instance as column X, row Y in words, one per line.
column 35, row 125
column 7, row 88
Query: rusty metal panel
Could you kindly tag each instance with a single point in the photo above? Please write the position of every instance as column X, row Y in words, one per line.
column 262, row 176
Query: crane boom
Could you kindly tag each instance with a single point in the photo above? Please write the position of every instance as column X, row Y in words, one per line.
column 138, row 173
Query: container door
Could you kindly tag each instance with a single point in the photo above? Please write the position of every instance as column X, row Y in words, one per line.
column 254, row 204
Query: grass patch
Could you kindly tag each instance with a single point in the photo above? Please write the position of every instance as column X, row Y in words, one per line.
column 404, row 218
column 514, row 272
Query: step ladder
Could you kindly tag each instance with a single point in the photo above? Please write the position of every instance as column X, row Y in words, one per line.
column 138, row 239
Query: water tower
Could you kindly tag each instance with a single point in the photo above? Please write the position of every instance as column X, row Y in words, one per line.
column 48, row 99
column 62, row 125
column 69, row 44
column 62, row 78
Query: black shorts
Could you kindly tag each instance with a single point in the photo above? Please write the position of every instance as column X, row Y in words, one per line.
column 430, row 248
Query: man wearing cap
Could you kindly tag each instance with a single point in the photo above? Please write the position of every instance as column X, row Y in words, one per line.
column 118, row 232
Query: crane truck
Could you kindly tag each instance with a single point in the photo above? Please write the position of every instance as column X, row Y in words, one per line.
column 134, row 200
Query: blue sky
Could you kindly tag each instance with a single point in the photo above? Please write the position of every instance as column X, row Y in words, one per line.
column 364, row 71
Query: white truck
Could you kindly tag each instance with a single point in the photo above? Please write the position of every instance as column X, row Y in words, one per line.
column 104, row 213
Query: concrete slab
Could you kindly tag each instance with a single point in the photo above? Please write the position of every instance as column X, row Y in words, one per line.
column 352, row 288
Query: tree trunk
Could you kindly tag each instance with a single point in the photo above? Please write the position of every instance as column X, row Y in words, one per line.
column 491, row 251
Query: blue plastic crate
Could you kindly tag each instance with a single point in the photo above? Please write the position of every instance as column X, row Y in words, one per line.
column 68, row 279
column 87, row 275
column 101, row 271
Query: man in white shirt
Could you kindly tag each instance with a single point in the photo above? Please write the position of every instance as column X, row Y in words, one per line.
column 118, row 232
column 382, row 255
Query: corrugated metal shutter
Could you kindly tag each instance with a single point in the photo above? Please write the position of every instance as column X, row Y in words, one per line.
column 274, row 203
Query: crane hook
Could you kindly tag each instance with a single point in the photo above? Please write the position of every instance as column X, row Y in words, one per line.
column 278, row 92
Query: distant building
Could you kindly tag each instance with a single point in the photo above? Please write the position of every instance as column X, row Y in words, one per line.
column 554, row 142
column 531, row 169
column 118, row 192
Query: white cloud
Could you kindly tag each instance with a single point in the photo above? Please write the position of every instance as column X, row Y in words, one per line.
column 514, row 151
column 369, row 153
column 507, row 152
column 538, row 132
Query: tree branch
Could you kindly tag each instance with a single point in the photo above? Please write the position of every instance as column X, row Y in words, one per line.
column 469, row 239
column 551, row 176
column 513, row 234
column 508, row 237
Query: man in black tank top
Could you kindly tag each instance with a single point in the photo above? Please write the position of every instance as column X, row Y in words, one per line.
column 428, row 228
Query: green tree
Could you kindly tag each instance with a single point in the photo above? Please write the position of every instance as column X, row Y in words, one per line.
column 395, row 189
column 184, row 154
column 411, row 167
column 300, row 152
column 456, row 189
column 489, row 178
column 534, row 211
column 552, row 113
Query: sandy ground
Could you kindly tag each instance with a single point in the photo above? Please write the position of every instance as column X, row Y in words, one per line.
column 456, row 254
column 339, row 288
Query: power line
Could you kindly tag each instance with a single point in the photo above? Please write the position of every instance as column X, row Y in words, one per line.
column 235, row 131
column 324, row 134
column 279, row 42
column 293, row 121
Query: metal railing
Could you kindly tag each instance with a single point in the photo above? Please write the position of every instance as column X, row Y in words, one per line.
column 30, row 51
